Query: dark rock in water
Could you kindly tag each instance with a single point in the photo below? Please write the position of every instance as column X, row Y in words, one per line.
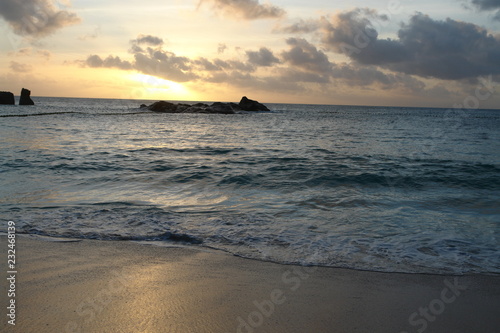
column 181, row 108
column 143, row 106
column 236, row 107
column 217, row 107
column 7, row 98
column 251, row 105
column 25, row 98
column 194, row 109
column 162, row 106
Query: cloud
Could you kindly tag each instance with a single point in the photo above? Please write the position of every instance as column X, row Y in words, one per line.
column 28, row 52
column 298, row 68
column 306, row 56
column 264, row 57
column 300, row 27
column 94, row 35
column 367, row 76
column 148, row 40
column 152, row 61
column 206, row 65
column 164, row 64
column 44, row 54
column 36, row 18
column 221, row 48
column 249, row 81
column 24, row 52
column 448, row 50
column 96, row 61
column 20, row 68
column 245, row 9
column 486, row 4
column 308, row 64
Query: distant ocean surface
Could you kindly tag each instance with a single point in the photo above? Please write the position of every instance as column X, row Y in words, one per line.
column 373, row 188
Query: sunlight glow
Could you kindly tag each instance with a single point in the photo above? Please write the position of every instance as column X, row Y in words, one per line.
column 153, row 87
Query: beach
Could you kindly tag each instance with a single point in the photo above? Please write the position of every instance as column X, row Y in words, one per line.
column 110, row 286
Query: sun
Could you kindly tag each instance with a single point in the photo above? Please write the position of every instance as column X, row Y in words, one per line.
column 152, row 87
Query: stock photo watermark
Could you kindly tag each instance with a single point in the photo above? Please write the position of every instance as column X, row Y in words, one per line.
column 91, row 307
column 11, row 273
column 421, row 318
column 264, row 309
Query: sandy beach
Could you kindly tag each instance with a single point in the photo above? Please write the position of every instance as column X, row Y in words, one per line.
column 110, row 286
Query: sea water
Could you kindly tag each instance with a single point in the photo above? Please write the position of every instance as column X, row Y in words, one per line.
column 377, row 188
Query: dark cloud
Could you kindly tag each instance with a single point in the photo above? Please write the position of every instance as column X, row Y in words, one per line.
column 449, row 50
column 248, row 81
column 264, row 57
column 233, row 65
column 246, row 9
column 308, row 64
column 151, row 61
column 297, row 68
column 306, row 56
column 206, row 65
column 299, row 76
column 487, row 4
column 35, row 18
column 367, row 76
column 166, row 65
column 148, row 40
column 145, row 40
column 96, row 61
column 116, row 62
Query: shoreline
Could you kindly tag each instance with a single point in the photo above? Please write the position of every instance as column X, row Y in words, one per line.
column 207, row 248
column 113, row 286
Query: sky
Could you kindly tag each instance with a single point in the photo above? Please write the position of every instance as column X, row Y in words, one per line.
column 394, row 53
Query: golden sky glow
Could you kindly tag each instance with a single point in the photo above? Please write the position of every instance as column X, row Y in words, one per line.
column 344, row 52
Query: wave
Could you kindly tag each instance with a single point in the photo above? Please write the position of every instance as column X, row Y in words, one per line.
column 72, row 112
column 38, row 114
column 242, row 167
column 394, row 248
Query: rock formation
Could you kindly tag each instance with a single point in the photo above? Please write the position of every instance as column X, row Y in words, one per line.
column 7, row 98
column 25, row 98
column 250, row 105
column 217, row 107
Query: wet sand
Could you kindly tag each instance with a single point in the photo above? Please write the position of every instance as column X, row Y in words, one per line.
column 109, row 286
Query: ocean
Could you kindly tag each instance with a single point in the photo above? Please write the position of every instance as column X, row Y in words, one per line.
column 392, row 189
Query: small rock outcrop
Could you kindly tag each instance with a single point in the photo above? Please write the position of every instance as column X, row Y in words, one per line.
column 25, row 98
column 247, row 104
column 216, row 108
column 7, row 98
column 163, row 106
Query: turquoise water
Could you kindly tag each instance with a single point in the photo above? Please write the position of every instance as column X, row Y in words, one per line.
column 386, row 189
